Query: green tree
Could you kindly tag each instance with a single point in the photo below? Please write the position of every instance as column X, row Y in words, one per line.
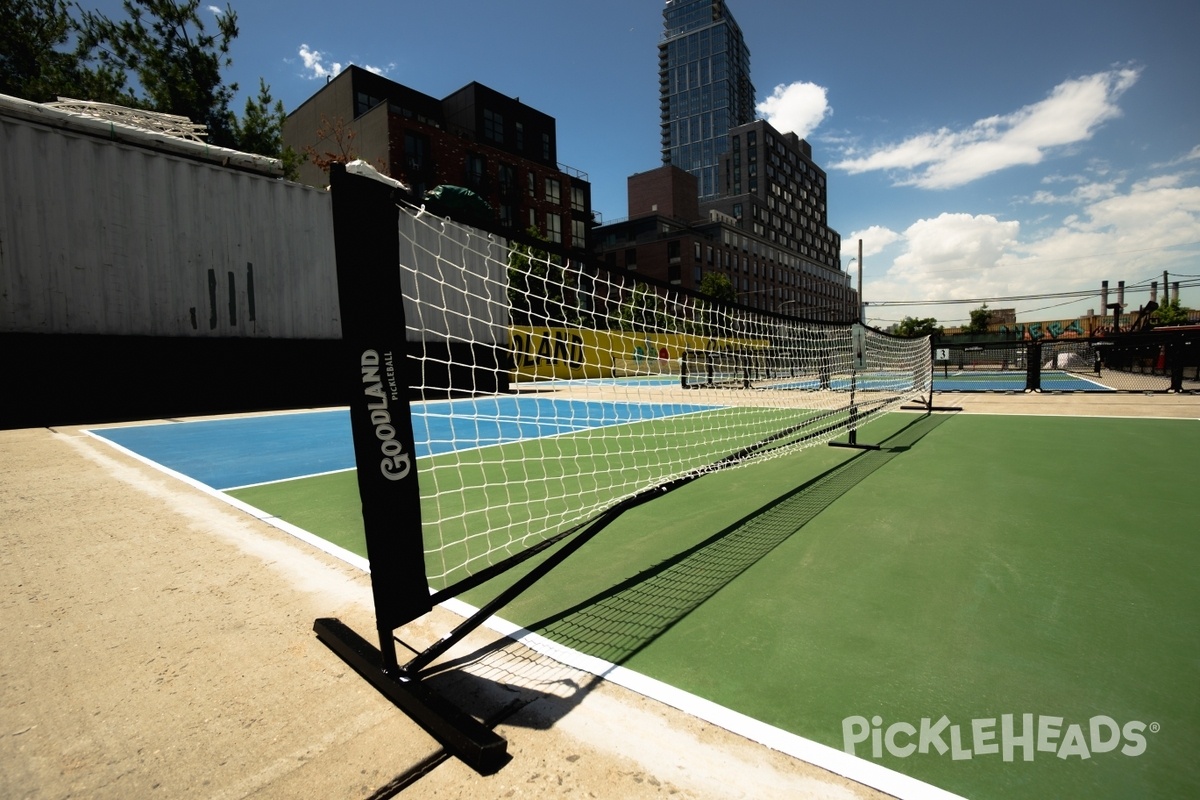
column 913, row 327
column 163, row 48
column 642, row 310
column 1171, row 313
column 536, row 286
column 718, row 287
column 36, row 60
column 260, row 130
column 980, row 318
column 176, row 63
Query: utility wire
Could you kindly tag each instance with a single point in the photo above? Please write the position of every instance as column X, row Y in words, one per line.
column 1014, row 298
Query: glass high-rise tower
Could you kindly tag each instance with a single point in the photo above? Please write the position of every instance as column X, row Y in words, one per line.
column 704, row 87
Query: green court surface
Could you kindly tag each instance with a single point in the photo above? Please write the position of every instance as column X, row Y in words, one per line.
column 1024, row 591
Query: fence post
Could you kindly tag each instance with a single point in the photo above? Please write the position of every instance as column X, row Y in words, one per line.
column 1033, row 366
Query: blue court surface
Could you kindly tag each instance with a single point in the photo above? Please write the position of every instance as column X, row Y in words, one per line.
column 1013, row 381
column 226, row 453
column 641, row 381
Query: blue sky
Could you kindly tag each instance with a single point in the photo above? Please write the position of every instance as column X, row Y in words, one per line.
column 978, row 150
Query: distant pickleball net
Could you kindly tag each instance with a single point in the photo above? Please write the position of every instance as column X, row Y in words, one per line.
column 579, row 392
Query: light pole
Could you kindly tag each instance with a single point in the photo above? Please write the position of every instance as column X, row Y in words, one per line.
column 852, row 259
column 861, row 304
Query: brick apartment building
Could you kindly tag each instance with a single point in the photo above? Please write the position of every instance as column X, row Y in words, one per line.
column 671, row 237
column 477, row 138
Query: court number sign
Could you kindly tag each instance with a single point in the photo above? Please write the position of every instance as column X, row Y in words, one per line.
column 943, row 354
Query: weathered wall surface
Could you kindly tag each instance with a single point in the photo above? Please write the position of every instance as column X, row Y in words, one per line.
column 102, row 237
column 144, row 277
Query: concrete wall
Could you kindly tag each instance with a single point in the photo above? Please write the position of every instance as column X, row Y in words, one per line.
column 102, row 237
column 138, row 282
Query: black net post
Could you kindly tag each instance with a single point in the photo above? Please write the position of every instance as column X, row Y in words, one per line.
column 1174, row 364
column 1033, row 367
column 375, row 368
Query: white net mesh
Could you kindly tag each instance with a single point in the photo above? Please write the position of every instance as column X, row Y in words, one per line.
column 614, row 388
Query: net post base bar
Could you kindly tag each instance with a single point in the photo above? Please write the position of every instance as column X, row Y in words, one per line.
column 929, row 406
column 854, row 444
column 462, row 735
column 926, row 403
column 852, row 436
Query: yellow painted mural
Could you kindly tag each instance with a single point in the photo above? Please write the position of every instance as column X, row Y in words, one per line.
column 544, row 353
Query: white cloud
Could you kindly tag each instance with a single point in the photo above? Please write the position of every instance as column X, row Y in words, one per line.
column 378, row 70
column 875, row 239
column 954, row 251
column 314, row 64
column 1131, row 233
column 315, row 67
column 796, row 108
column 947, row 158
column 1192, row 155
column 1082, row 194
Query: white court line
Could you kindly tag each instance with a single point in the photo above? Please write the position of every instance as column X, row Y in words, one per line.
column 849, row 766
column 310, row 538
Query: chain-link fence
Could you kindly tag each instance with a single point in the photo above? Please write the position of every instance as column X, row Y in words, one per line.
column 1158, row 361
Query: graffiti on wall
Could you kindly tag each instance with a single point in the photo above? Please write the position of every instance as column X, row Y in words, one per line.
column 1035, row 331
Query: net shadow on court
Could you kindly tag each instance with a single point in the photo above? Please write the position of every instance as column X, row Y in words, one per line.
column 616, row 624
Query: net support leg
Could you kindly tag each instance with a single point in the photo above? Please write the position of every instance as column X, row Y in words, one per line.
column 424, row 658
column 479, row 747
column 852, row 438
column 927, row 405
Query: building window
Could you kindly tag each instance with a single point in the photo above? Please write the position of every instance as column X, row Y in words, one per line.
column 493, row 126
column 553, row 191
column 520, row 133
column 507, row 215
column 416, row 160
column 364, row 102
column 578, row 199
column 476, row 167
column 631, row 259
column 546, row 146
column 532, row 185
column 508, row 180
column 554, row 228
column 578, row 233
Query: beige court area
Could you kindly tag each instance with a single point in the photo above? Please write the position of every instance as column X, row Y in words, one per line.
column 157, row 642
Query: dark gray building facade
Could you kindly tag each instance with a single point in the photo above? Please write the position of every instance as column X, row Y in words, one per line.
column 736, row 197
column 704, row 87
column 773, row 188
